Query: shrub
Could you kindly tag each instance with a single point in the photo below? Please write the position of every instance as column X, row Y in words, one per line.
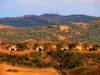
column 36, row 60
column 45, row 46
column 13, row 70
column 1, row 56
column 22, row 46
column 39, row 65
column 29, row 64
column 3, row 43
column 36, row 44
column 64, row 72
column 35, row 54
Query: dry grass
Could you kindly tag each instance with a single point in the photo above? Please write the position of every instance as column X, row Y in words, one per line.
column 26, row 71
column 63, row 27
column 5, row 26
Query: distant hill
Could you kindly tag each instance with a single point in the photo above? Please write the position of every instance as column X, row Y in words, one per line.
column 70, row 18
column 26, row 21
column 45, row 19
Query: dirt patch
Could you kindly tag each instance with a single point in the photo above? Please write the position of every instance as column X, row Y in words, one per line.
column 5, row 26
column 0, row 40
column 26, row 71
column 61, row 37
column 63, row 27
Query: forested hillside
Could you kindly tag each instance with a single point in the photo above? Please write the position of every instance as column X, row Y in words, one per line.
column 70, row 18
column 46, row 19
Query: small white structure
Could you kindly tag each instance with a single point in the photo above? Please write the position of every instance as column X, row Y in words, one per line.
column 64, row 48
column 89, row 48
column 39, row 48
column 12, row 48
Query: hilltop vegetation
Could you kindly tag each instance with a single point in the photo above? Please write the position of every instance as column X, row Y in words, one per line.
column 46, row 19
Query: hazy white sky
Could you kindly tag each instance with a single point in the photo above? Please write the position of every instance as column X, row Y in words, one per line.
column 15, row 8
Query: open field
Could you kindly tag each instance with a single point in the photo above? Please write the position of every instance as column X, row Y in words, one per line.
column 5, row 26
column 26, row 71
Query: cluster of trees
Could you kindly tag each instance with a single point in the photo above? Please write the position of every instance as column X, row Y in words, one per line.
column 25, row 60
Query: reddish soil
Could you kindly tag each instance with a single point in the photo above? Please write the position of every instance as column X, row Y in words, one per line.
column 26, row 71
column 0, row 40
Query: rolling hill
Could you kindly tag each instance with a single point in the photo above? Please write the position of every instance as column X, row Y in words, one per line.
column 75, row 31
column 45, row 19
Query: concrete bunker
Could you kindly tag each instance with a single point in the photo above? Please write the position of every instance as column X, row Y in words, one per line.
column 40, row 48
column 12, row 48
column 65, row 48
column 89, row 48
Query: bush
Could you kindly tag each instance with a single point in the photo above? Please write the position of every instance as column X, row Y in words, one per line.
column 36, row 60
column 36, row 44
column 29, row 64
column 64, row 72
column 22, row 46
column 13, row 70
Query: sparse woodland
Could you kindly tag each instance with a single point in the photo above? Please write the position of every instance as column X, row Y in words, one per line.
column 66, row 62
column 90, row 33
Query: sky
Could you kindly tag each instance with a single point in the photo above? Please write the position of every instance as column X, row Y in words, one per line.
column 17, row 8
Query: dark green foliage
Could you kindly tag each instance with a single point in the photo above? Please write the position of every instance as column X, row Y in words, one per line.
column 94, row 72
column 1, row 56
column 36, row 44
column 36, row 60
column 13, row 70
column 35, row 54
column 67, row 59
column 27, row 21
column 60, row 44
column 22, row 46
column 43, row 65
column 46, row 19
column 29, row 64
column 64, row 72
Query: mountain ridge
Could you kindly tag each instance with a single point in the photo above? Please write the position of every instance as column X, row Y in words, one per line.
column 45, row 19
